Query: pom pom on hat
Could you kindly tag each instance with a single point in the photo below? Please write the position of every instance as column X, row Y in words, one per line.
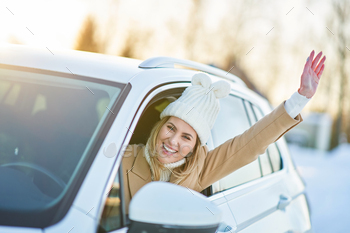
column 201, row 79
column 221, row 89
column 199, row 105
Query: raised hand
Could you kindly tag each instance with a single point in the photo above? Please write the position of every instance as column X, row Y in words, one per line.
column 311, row 75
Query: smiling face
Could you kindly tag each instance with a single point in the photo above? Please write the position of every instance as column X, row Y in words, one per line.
column 175, row 140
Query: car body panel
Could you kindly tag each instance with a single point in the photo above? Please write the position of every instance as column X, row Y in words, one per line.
column 75, row 220
column 228, row 221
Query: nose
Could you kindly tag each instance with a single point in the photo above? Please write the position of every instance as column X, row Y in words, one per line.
column 174, row 141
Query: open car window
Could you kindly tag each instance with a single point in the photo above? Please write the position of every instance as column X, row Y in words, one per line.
column 112, row 215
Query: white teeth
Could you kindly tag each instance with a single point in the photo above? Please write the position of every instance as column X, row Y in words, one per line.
column 168, row 149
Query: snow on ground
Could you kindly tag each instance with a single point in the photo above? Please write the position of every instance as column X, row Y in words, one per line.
column 327, row 177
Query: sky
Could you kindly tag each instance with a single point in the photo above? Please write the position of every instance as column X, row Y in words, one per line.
column 41, row 23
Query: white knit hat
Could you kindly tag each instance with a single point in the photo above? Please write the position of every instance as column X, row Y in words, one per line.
column 198, row 105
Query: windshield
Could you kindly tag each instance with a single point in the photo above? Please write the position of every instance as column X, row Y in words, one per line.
column 48, row 124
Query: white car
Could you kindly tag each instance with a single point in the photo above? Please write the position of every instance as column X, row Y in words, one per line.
column 66, row 118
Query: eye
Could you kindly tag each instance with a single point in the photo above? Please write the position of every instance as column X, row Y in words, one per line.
column 170, row 127
column 187, row 138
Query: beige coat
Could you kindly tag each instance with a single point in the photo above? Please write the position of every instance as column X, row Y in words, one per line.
column 217, row 163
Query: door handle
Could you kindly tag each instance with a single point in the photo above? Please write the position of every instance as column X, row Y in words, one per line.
column 284, row 201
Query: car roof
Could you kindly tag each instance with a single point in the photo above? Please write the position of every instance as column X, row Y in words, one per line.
column 101, row 66
column 95, row 65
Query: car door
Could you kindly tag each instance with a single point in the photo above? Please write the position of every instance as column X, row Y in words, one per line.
column 254, row 191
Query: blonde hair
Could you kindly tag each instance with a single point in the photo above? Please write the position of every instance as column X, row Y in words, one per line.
column 181, row 172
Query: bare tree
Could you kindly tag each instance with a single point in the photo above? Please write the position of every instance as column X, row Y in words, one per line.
column 87, row 40
column 339, row 35
column 136, row 42
column 194, row 28
column 237, row 40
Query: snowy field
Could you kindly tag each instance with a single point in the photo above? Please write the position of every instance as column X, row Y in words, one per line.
column 327, row 176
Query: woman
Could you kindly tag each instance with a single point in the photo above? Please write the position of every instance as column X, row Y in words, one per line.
column 176, row 150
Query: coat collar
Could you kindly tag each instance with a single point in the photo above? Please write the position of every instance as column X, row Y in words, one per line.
column 140, row 173
column 141, row 167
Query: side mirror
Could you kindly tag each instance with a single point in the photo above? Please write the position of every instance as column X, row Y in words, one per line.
column 166, row 207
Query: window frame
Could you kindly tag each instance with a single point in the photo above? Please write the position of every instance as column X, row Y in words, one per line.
column 252, row 119
column 117, row 168
column 280, row 156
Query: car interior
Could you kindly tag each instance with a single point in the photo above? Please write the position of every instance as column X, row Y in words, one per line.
column 46, row 142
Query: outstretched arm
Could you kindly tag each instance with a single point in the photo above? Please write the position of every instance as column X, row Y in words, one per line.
column 245, row 148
